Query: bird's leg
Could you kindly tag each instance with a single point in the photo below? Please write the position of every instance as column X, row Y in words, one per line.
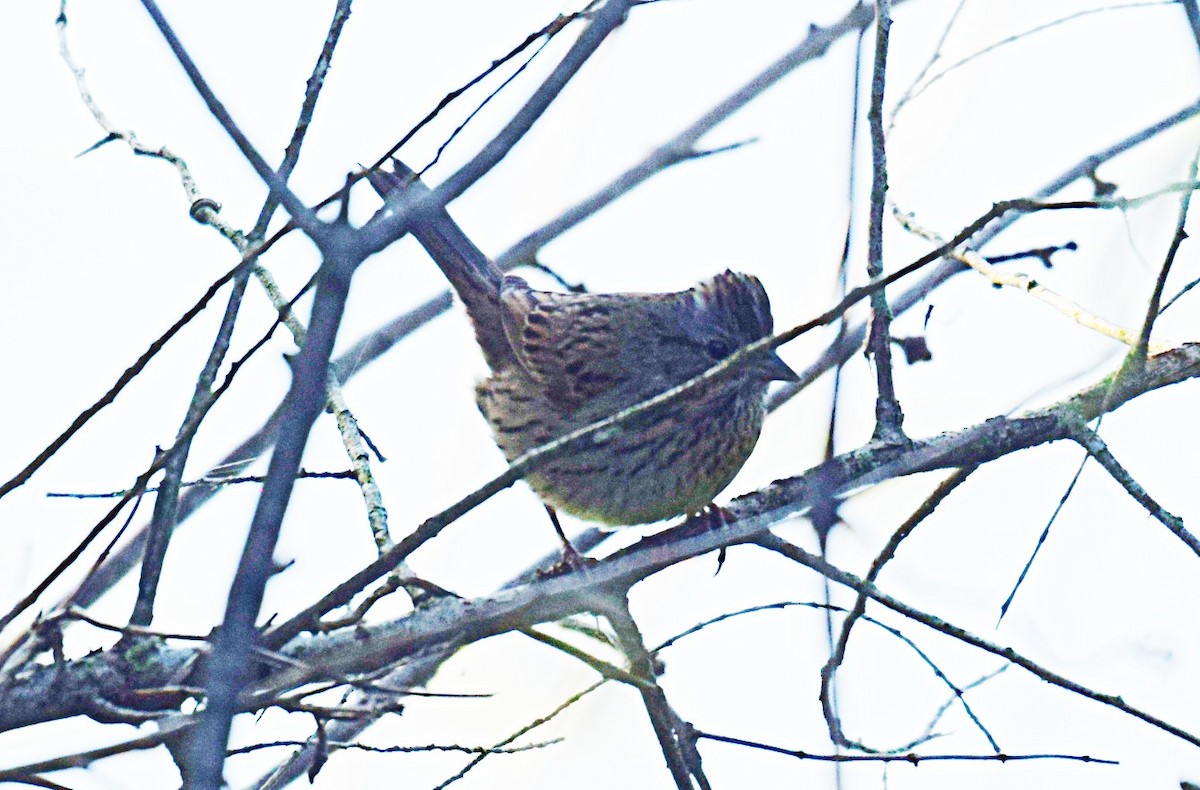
column 713, row 516
column 571, row 558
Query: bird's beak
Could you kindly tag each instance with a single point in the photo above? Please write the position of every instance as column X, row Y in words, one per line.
column 775, row 369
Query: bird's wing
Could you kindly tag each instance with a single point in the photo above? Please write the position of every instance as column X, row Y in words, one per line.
column 568, row 343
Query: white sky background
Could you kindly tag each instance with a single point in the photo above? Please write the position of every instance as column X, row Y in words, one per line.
column 100, row 257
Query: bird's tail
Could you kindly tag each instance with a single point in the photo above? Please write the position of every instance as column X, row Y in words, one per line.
column 473, row 276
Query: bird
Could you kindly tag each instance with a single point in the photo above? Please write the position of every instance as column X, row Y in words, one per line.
column 562, row 361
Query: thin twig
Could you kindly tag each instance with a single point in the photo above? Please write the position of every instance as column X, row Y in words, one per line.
column 1139, row 351
column 1193, row 17
column 209, row 481
column 549, row 31
column 564, row 705
column 1025, row 283
column 437, row 156
column 852, row 341
column 301, row 214
column 829, row 609
column 432, row 747
column 959, row 693
column 780, row 546
column 1098, row 450
column 838, row 655
column 1012, row 594
column 227, row 668
column 682, row 147
column 909, row 94
column 134, row 492
column 825, row 516
column 409, row 674
column 204, row 210
column 916, row 89
column 889, row 419
column 911, row 758
column 129, row 375
column 166, row 512
column 388, row 226
column 682, row 760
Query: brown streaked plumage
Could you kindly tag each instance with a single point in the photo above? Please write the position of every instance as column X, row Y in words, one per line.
column 563, row 361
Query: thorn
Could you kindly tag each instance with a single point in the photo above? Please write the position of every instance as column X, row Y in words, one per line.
column 108, row 139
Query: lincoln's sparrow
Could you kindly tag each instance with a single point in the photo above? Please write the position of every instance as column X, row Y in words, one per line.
column 562, row 361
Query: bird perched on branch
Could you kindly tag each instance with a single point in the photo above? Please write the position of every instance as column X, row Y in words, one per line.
column 562, row 361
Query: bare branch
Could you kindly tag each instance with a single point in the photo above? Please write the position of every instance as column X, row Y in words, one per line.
column 390, row 225
column 372, row 346
column 1193, row 17
column 1138, row 353
column 889, row 419
column 913, row 759
column 852, row 340
column 683, row 761
column 129, row 375
column 301, row 214
column 773, row 543
column 1097, row 449
column 453, row 623
column 838, row 655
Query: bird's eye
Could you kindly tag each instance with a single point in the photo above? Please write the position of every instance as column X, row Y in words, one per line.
column 719, row 349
